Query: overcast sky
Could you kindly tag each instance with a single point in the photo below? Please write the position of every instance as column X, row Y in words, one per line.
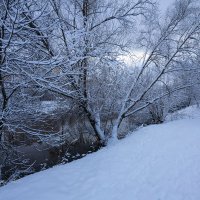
column 164, row 4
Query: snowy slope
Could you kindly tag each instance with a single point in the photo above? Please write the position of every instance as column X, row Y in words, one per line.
column 159, row 162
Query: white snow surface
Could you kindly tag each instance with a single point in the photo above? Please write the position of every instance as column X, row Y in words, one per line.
column 190, row 112
column 158, row 162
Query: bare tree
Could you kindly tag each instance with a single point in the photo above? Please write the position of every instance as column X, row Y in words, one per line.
column 89, row 33
column 173, row 41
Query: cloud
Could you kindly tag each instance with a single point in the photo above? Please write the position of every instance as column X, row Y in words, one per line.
column 164, row 4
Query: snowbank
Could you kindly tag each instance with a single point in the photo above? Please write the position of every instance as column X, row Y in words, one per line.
column 190, row 112
column 159, row 162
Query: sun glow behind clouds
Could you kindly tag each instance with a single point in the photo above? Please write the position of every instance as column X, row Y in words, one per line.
column 135, row 57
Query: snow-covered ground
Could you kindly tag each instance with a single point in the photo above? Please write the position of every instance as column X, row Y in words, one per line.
column 158, row 162
column 191, row 112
